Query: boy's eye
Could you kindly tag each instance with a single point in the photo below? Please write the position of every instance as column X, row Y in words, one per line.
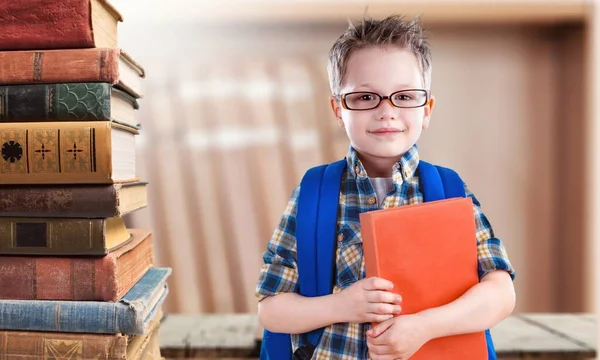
column 403, row 97
column 366, row 97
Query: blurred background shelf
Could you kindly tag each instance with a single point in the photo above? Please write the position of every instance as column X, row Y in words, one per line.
column 237, row 109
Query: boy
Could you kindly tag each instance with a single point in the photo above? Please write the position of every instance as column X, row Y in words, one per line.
column 380, row 76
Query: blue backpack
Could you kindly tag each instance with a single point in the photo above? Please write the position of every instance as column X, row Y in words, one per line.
column 316, row 222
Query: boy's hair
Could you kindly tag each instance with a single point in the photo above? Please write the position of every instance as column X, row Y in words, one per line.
column 392, row 30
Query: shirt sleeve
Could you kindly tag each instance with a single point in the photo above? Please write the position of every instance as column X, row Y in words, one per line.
column 491, row 253
column 279, row 272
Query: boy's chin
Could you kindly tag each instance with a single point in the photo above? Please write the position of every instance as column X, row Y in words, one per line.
column 388, row 151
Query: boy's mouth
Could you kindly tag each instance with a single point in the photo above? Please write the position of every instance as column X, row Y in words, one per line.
column 386, row 131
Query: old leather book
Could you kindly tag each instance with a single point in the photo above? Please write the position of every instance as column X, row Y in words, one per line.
column 64, row 24
column 108, row 65
column 72, row 201
column 429, row 252
column 67, row 153
column 67, row 102
column 98, row 278
column 62, row 236
column 20, row 345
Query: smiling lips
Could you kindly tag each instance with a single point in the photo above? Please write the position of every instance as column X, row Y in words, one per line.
column 386, row 131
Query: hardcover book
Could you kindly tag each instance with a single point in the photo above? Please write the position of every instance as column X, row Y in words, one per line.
column 67, row 153
column 65, row 24
column 130, row 316
column 67, row 102
column 62, row 236
column 34, row 345
column 429, row 252
column 112, row 66
column 73, row 201
column 105, row 278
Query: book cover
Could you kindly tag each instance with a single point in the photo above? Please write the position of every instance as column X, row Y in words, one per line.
column 107, row 65
column 72, row 201
column 62, row 152
column 33, row 345
column 105, row 278
column 60, row 102
column 39, row 24
column 429, row 252
column 131, row 315
column 62, row 236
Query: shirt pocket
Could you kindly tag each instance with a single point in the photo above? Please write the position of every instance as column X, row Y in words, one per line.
column 349, row 263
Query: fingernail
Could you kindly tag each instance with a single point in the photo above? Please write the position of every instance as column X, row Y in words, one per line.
column 398, row 299
column 397, row 309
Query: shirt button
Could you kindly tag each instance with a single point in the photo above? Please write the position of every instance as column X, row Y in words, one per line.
column 357, row 170
column 406, row 174
column 371, row 200
column 341, row 237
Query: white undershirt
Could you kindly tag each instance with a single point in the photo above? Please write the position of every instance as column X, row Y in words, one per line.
column 382, row 187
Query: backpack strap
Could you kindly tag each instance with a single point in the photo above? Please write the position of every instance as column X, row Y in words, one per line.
column 316, row 221
column 439, row 183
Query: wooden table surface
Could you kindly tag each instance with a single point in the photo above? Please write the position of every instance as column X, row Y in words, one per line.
column 520, row 336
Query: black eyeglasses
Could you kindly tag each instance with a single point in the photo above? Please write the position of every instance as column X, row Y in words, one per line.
column 364, row 100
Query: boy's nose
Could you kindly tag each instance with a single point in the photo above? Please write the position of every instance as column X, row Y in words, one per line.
column 385, row 111
column 389, row 101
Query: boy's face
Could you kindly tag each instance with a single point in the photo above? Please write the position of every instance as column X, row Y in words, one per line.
column 385, row 131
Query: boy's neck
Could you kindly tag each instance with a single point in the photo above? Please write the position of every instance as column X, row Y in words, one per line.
column 378, row 167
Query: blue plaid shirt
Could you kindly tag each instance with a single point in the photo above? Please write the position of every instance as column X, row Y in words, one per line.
column 279, row 273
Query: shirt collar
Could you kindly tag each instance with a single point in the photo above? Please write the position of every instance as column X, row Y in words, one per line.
column 403, row 170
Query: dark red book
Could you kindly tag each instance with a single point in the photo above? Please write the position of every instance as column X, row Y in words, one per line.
column 53, row 24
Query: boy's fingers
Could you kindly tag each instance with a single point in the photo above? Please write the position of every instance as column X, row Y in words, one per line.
column 379, row 318
column 376, row 283
column 384, row 297
column 381, row 308
column 379, row 329
column 379, row 349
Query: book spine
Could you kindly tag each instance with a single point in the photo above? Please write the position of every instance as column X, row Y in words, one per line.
column 70, row 317
column 37, row 345
column 59, row 66
column 45, row 236
column 55, row 102
column 369, row 246
column 56, row 152
column 52, row 24
column 81, row 201
column 57, row 278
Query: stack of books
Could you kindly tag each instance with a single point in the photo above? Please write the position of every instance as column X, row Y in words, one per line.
column 75, row 282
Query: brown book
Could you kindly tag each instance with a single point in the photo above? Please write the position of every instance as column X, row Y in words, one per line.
column 112, row 66
column 73, row 201
column 33, row 345
column 93, row 152
column 105, row 278
column 62, row 236
column 64, row 24
column 429, row 252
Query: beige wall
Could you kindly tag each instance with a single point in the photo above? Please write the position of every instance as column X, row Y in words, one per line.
column 233, row 117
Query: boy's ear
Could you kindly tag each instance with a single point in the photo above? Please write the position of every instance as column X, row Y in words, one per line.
column 337, row 110
column 428, row 111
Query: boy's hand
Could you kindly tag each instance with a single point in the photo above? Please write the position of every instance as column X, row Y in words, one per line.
column 368, row 300
column 398, row 338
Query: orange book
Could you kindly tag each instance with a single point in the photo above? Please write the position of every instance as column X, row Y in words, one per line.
column 429, row 252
